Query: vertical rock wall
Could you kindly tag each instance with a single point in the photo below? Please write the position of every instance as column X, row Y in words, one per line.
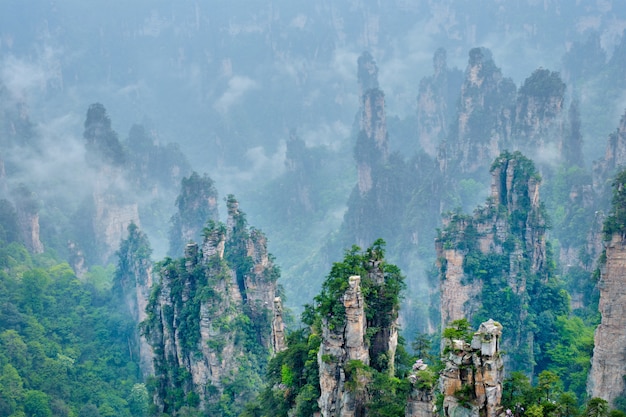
column 606, row 378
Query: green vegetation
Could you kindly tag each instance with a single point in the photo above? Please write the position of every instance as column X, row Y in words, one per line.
column 543, row 84
column 66, row 347
column 527, row 299
column 615, row 222
column 202, row 282
column 458, row 330
column 196, row 204
column 293, row 375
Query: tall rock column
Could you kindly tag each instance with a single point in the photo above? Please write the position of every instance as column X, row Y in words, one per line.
column 485, row 116
column 372, row 141
column 134, row 279
column 279, row 343
column 339, row 346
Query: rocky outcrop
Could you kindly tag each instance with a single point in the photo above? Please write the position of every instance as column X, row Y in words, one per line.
column 512, row 209
column 459, row 298
column 492, row 253
column 421, row 397
column 211, row 315
column 76, row 259
column 471, row 381
column 112, row 210
column 493, row 116
column 358, row 338
column 372, row 142
column 279, row 343
column 112, row 215
column 300, row 164
column 29, row 228
column 607, row 366
column 367, row 74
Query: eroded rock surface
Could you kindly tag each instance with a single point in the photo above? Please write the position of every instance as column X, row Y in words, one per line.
column 607, row 365
column 472, row 378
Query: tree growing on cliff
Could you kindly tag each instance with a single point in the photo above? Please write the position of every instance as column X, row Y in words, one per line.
column 616, row 220
column 460, row 329
column 293, row 382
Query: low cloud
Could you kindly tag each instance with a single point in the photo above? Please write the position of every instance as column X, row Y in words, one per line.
column 27, row 79
column 262, row 167
column 331, row 135
column 21, row 77
column 238, row 86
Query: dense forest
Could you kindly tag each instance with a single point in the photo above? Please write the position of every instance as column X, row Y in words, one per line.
column 305, row 208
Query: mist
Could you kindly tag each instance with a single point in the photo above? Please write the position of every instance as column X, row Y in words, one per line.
column 230, row 83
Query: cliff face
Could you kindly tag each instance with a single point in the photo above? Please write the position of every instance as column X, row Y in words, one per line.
column 112, row 215
column 496, row 259
column 471, row 381
column 29, row 230
column 134, row 279
column 459, row 298
column 210, row 317
column 607, row 366
column 494, row 116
